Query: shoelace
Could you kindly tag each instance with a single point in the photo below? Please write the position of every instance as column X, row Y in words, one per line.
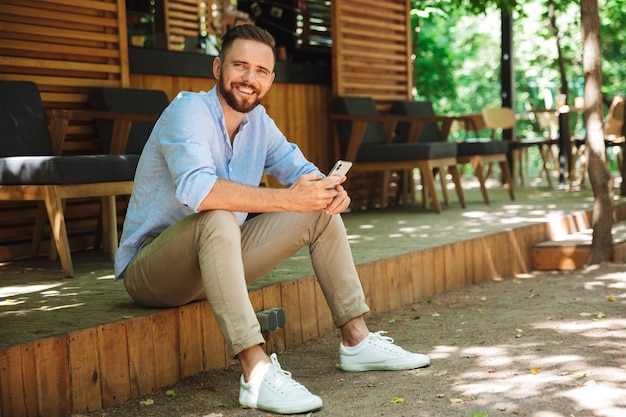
column 386, row 342
column 283, row 381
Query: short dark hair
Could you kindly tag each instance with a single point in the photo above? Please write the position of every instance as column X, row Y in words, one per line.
column 248, row 32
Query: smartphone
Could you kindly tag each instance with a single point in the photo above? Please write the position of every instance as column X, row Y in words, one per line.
column 340, row 169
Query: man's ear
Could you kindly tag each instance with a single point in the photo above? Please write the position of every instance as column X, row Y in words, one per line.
column 216, row 67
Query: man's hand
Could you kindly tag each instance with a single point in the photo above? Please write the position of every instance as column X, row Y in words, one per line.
column 340, row 203
column 311, row 193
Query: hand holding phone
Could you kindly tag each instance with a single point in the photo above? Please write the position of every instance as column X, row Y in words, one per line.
column 340, row 169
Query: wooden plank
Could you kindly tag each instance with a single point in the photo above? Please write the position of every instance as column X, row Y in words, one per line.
column 272, row 297
column 91, row 4
column 166, row 354
column 50, row 15
column 18, row 384
column 113, row 351
column 308, row 308
column 453, row 278
column 515, row 243
column 141, row 360
column 85, row 374
column 291, row 304
column 190, row 339
column 477, row 253
column 419, row 278
column 325, row 322
column 491, row 271
column 53, row 379
column 395, row 284
column 66, row 49
column 438, row 269
column 352, row 6
column 214, row 350
column 380, row 288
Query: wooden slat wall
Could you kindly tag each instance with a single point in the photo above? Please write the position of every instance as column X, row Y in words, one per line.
column 371, row 57
column 67, row 47
column 182, row 19
column 371, row 49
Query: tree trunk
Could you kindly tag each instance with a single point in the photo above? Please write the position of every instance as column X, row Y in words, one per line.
column 599, row 176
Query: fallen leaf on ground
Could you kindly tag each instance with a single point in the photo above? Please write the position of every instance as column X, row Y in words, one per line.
column 456, row 400
column 441, row 373
column 170, row 392
column 534, row 370
column 149, row 401
column 397, row 400
column 610, row 298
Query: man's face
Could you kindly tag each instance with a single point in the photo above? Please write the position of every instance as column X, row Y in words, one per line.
column 245, row 75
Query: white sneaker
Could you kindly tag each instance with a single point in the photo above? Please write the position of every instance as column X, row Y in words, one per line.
column 378, row 353
column 276, row 392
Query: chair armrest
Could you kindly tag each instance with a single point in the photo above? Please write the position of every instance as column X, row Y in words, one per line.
column 59, row 119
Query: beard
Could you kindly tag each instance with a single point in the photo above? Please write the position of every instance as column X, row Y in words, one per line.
column 239, row 106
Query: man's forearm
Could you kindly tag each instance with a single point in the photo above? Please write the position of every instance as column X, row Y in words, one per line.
column 233, row 196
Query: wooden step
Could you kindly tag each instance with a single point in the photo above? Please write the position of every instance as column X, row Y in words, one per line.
column 572, row 252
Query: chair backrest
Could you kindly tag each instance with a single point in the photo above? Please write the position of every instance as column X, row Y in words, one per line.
column 357, row 106
column 430, row 131
column 499, row 118
column 614, row 124
column 127, row 100
column 23, row 124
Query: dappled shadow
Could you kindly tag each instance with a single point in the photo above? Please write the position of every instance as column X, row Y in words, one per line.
column 546, row 355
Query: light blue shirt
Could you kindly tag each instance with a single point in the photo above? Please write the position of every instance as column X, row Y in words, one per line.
column 188, row 150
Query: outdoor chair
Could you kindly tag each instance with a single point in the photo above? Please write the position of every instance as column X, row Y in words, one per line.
column 476, row 152
column 126, row 100
column 502, row 118
column 32, row 169
column 365, row 137
column 614, row 140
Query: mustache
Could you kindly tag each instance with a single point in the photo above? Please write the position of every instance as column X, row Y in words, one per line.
column 246, row 85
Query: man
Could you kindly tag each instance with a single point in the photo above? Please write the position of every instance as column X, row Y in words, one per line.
column 187, row 237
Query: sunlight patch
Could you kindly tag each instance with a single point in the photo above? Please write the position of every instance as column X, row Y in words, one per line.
column 25, row 289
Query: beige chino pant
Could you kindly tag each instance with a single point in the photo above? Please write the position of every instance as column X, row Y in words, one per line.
column 209, row 256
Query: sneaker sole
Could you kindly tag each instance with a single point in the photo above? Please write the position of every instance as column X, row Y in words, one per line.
column 362, row 367
column 285, row 410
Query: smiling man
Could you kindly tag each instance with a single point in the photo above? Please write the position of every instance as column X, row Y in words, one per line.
column 187, row 235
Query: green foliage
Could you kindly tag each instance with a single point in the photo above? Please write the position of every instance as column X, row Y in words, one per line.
column 457, row 51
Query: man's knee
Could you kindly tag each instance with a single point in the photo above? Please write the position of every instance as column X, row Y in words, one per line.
column 214, row 223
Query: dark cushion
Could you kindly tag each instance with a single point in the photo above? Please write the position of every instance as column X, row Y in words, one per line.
column 64, row 170
column 490, row 147
column 127, row 100
column 430, row 131
column 406, row 152
column 358, row 106
column 23, row 123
